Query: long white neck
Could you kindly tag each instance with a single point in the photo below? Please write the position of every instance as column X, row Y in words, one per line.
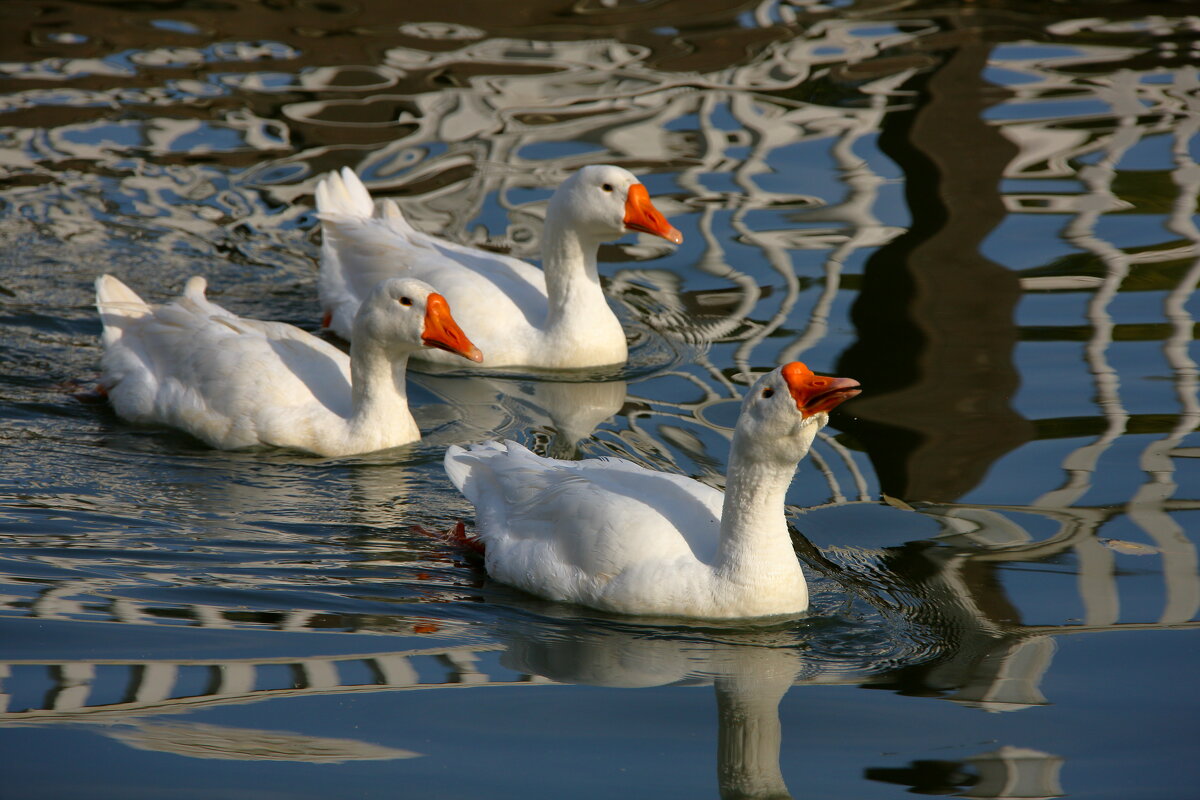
column 379, row 396
column 755, row 547
column 578, row 312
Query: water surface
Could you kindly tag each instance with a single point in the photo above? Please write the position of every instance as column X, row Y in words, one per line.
column 985, row 213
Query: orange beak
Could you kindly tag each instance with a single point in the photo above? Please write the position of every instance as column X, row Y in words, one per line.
column 442, row 332
column 816, row 393
column 641, row 215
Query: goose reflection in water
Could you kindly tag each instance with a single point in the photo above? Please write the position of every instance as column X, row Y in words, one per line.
column 566, row 412
column 750, row 673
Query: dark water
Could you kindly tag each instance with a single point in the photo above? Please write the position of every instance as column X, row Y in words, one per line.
column 985, row 212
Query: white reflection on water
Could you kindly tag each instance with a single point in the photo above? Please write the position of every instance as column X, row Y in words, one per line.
column 1132, row 110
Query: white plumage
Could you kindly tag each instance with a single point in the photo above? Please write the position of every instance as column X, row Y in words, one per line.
column 236, row 383
column 518, row 314
column 613, row 535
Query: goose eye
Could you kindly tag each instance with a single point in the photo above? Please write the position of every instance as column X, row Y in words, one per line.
column 607, row 187
column 768, row 392
column 405, row 301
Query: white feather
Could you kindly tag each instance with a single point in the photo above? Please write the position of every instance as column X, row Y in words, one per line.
column 516, row 313
column 613, row 535
column 236, row 382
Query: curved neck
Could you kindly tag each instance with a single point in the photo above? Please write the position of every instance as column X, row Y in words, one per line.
column 379, row 396
column 755, row 543
column 572, row 282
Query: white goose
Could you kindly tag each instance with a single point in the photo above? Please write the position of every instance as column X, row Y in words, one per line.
column 520, row 315
column 613, row 535
column 237, row 383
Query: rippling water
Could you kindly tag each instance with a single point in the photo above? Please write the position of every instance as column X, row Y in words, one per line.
column 986, row 213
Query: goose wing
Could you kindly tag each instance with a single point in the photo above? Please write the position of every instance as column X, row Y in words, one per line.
column 227, row 380
column 362, row 245
column 566, row 527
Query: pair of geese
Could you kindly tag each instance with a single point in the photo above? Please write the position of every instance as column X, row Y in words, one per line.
column 604, row 533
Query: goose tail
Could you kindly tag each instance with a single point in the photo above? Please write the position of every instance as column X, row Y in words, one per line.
column 118, row 306
column 343, row 194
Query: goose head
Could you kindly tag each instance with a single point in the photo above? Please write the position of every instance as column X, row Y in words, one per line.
column 783, row 411
column 403, row 314
column 606, row 202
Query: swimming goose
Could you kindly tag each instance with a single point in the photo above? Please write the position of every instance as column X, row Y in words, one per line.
column 235, row 382
column 520, row 315
column 612, row 535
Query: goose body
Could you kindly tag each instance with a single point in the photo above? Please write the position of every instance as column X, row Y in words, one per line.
column 552, row 318
column 236, row 383
column 610, row 534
